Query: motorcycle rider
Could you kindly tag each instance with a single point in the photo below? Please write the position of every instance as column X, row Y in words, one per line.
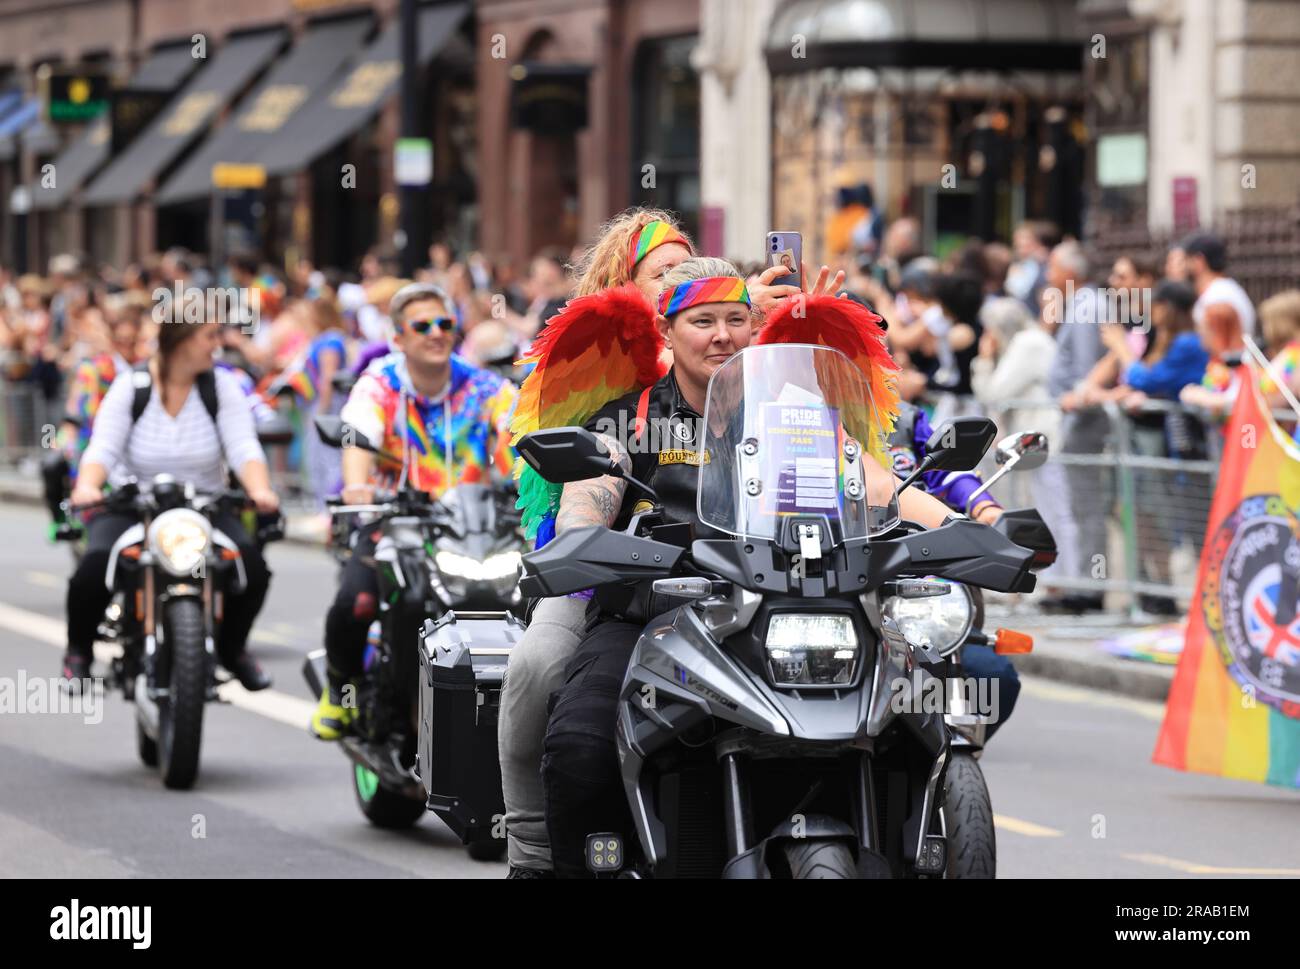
column 954, row 488
column 447, row 420
column 639, row 247
column 580, row 765
column 195, row 424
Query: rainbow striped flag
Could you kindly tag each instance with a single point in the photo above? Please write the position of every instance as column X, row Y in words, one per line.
column 1234, row 707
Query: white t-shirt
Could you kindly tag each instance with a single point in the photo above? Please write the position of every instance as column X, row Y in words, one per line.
column 1225, row 290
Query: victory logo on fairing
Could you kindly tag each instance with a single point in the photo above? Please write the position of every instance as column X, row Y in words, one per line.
column 1252, row 582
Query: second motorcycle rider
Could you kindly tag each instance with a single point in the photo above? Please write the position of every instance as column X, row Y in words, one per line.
column 448, row 421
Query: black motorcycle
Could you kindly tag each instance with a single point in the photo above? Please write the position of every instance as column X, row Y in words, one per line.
column 460, row 552
column 948, row 617
column 773, row 721
column 170, row 573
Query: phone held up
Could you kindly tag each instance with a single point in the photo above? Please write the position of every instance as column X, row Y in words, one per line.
column 785, row 249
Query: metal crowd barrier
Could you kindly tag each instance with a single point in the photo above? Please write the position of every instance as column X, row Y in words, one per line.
column 1130, row 520
column 25, row 417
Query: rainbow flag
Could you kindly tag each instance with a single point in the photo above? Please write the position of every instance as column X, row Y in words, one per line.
column 1234, row 707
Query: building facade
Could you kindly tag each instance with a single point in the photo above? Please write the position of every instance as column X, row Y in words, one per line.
column 586, row 107
column 1196, row 107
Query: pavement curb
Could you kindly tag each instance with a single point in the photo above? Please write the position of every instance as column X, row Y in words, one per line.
column 1142, row 681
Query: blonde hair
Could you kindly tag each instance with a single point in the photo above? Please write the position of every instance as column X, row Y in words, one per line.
column 604, row 264
column 1279, row 318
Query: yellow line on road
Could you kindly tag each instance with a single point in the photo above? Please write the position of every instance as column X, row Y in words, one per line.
column 1027, row 828
column 47, row 580
column 1193, row 868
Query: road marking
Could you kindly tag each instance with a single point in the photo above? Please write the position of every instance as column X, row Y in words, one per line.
column 47, row 580
column 269, row 638
column 1027, row 828
column 1193, row 868
column 1050, row 690
column 272, row 704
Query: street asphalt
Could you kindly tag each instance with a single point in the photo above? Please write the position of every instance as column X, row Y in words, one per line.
column 1073, row 787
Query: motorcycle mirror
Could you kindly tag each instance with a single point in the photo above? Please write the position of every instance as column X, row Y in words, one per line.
column 1026, row 450
column 564, row 454
column 336, row 432
column 276, row 430
column 958, row 444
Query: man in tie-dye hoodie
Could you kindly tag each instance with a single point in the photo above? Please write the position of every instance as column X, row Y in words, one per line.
column 446, row 420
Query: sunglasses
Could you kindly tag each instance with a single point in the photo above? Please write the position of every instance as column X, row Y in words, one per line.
column 424, row 327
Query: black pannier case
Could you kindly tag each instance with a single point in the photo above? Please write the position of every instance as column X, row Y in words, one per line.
column 463, row 658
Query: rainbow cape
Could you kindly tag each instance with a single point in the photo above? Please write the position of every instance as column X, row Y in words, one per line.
column 1234, row 706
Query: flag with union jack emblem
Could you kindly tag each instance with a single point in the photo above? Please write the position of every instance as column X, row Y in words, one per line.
column 1234, row 706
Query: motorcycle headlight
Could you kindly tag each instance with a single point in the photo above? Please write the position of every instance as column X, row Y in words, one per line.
column 940, row 622
column 811, row 650
column 459, row 566
column 503, row 565
column 179, row 539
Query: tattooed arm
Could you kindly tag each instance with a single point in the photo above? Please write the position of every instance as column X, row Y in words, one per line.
column 594, row 502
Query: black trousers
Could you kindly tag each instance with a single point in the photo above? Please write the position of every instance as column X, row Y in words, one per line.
column 88, row 596
column 584, row 792
column 355, row 607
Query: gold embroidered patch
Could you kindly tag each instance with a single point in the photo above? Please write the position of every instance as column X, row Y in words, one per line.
column 680, row 456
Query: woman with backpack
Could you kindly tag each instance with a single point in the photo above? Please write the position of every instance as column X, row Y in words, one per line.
column 194, row 425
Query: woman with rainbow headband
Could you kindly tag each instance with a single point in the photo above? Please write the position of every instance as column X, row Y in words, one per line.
column 625, row 267
column 619, row 279
column 612, row 344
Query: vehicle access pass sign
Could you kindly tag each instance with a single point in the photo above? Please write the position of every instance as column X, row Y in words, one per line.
column 1234, row 707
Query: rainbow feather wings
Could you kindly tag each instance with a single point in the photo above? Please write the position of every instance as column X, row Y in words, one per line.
column 598, row 349
column 854, row 330
column 603, row 347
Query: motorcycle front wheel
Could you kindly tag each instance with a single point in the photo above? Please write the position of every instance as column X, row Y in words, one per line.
column 820, row 859
column 180, row 717
column 384, row 808
column 968, row 816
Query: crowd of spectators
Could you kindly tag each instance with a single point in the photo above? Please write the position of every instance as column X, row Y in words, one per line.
column 1033, row 335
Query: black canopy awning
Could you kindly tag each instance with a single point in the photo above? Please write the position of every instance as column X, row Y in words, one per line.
column 288, row 86
column 185, row 118
column 808, row 35
column 360, row 92
column 164, row 68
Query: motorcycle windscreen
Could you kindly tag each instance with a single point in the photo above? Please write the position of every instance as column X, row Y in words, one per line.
column 792, row 430
column 468, row 509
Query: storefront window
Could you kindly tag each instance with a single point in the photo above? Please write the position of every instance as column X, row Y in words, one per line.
column 667, row 129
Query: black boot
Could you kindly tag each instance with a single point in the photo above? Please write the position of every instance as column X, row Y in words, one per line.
column 249, row 673
column 543, row 873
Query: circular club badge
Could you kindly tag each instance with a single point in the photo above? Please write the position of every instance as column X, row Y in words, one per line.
column 1251, row 613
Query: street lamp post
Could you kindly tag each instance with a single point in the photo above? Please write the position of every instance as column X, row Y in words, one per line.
column 414, row 198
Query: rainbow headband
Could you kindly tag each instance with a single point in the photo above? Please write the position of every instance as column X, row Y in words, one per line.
column 714, row 289
column 654, row 235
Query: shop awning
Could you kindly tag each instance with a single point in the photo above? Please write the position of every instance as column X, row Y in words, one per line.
column 359, row 93
column 14, row 123
column 9, row 101
column 164, row 69
column 185, row 118
column 308, row 68
column 1040, row 35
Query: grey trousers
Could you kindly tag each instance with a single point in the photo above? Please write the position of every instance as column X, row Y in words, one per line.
column 535, row 671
